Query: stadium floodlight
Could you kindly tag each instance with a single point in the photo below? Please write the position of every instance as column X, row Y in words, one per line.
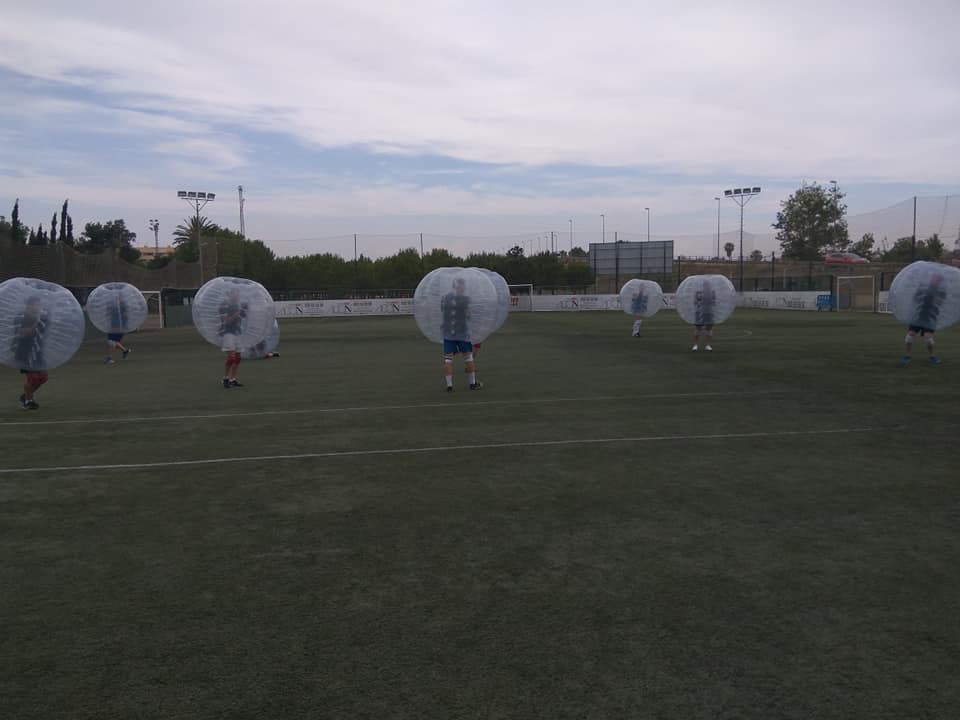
column 155, row 226
column 741, row 196
column 197, row 200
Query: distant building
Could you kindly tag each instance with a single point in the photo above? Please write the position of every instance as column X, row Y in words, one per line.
column 149, row 252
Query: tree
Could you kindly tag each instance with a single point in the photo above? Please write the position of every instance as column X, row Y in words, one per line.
column 756, row 256
column 903, row 250
column 728, row 248
column 114, row 234
column 53, row 229
column 517, row 252
column 17, row 232
column 578, row 252
column 811, row 221
column 66, row 226
column 4, row 228
column 864, row 247
column 39, row 237
column 935, row 247
column 187, row 235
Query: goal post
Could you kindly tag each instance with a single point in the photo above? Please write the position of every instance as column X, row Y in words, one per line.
column 856, row 293
column 521, row 298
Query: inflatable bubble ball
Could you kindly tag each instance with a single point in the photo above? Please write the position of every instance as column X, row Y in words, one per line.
column 706, row 299
column 456, row 304
column 41, row 324
column 926, row 295
column 641, row 297
column 266, row 346
column 503, row 295
column 116, row 307
column 233, row 313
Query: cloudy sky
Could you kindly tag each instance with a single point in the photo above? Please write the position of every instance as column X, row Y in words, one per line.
column 480, row 124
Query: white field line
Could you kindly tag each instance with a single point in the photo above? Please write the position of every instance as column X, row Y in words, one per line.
column 439, row 449
column 379, row 408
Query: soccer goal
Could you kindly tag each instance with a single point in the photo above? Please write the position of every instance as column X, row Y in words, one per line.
column 154, row 310
column 857, row 293
column 521, row 298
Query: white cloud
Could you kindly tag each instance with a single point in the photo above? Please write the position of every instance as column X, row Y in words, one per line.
column 819, row 89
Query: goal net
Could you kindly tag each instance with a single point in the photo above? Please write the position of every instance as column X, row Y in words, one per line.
column 856, row 292
column 154, row 316
column 521, row 298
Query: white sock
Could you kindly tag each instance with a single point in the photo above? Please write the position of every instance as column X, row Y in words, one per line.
column 473, row 378
column 636, row 326
column 449, row 380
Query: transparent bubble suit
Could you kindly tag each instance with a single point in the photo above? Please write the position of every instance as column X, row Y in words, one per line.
column 927, row 295
column 456, row 304
column 706, row 299
column 641, row 297
column 41, row 324
column 116, row 308
column 233, row 313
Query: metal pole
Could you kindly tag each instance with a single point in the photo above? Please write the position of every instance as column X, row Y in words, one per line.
column 648, row 223
column 718, row 227
column 421, row 246
column 199, row 241
column 773, row 269
column 741, row 246
column 571, row 235
column 243, row 231
column 616, row 261
column 913, row 237
column 603, row 228
column 354, row 248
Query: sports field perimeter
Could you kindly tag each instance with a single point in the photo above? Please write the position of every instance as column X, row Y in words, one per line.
column 613, row 527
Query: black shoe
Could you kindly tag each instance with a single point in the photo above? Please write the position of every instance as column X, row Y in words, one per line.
column 236, row 383
column 449, row 388
column 125, row 353
column 476, row 386
column 31, row 405
column 226, row 383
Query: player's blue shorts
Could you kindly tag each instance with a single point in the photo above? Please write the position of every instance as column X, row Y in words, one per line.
column 452, row 347
column 115, row 337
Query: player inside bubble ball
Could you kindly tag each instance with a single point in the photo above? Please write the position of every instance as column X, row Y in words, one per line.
column 30, row 328
column 232, row 314
column 638, row 306
column 118, row 323
column 704, row 307
column 927, row 301
column 455, row 314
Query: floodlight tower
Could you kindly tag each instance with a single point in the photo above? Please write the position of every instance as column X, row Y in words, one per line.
column 155, row 226
column 198, row 200
column 243, row 230
column 741, row 196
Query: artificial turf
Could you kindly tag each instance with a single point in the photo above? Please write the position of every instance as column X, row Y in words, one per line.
column 613, row 527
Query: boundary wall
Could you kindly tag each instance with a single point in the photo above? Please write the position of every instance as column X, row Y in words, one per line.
column 543, row 303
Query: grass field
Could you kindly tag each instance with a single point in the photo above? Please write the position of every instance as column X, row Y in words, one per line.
column 611, row 528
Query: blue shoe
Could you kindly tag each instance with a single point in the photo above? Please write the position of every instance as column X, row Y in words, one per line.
column 934, row 360
column 906, row 359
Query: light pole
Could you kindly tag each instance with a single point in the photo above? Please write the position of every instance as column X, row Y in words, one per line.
column 603, row 229
column 718, row 227
column 571, row 234
column 648, row 223
column 243, row 228
column 741, row 196
column 155, row 226
column 198, row 200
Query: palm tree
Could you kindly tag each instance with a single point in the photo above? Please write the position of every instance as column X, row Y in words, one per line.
column 729, row 248
column 193, row 228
